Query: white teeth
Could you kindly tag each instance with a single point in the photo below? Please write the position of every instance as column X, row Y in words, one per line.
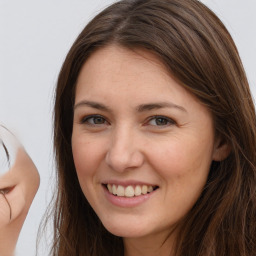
column 109, row 188
column 114, row 192
column 120, row 190
column 144, row 189
column 137, row 191
column 129, row 191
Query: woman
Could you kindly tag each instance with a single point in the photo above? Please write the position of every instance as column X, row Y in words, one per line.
column 154, row 136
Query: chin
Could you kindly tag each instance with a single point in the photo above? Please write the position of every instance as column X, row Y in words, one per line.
column 126, row 228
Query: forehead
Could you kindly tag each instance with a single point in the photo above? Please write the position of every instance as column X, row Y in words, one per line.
column 117, row 60
column 113, row 74
column 116, row 68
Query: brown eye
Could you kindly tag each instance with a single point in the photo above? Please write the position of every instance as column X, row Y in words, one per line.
column 161, row 121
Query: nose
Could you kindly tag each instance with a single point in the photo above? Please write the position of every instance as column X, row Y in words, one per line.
column 124, row 152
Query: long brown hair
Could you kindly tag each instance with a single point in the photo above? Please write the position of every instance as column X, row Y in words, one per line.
column 199, row 52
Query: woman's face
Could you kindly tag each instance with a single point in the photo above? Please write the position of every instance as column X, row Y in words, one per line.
column 142, row 144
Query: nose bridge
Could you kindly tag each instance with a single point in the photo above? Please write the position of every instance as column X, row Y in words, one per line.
column 123, row 152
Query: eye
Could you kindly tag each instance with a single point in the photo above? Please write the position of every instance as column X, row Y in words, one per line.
column 94, row 120
column 161, row 121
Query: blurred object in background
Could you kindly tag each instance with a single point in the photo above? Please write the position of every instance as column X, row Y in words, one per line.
column 9, row 146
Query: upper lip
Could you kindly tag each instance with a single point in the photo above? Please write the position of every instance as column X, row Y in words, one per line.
column 128, row 182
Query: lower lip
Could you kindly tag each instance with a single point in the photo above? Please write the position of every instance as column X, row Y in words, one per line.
column 126, row 202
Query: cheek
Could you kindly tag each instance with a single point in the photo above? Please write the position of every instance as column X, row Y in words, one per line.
column 86, row 160
column 86, row 156
column 181, row 159
column 184, row 169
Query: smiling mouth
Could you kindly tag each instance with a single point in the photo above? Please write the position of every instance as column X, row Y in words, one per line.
column 131, row 190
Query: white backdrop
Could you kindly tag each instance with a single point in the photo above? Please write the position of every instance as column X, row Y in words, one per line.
column 34, row 39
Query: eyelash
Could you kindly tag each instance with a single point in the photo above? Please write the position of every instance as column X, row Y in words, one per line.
column 86, row 119
column 167, row 121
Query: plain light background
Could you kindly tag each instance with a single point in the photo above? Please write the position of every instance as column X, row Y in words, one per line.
column 35, row 37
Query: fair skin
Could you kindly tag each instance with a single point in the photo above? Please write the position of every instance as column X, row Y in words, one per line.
column 136, row 128
column 19, row 185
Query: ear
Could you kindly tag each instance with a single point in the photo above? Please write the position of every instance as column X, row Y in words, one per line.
column 221, row 150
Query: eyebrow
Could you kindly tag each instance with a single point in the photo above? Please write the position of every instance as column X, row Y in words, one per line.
column 140, row 108
column 159, row 105
column 92, row 104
